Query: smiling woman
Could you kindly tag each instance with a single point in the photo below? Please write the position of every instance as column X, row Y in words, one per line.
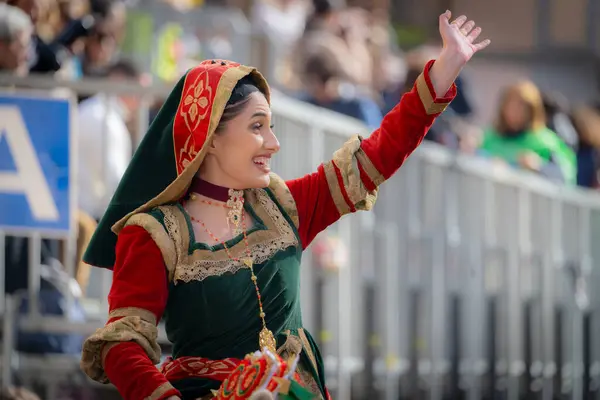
column 244, row 142
column 207, row 239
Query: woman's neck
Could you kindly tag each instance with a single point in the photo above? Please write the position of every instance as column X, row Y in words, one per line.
column 210, row 190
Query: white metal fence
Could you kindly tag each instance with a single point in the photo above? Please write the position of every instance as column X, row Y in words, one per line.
column 465, row 282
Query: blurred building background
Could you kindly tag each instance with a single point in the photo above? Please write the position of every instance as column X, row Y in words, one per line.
column 476, row 277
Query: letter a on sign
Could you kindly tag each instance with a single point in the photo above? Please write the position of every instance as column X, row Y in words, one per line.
column 28, row 179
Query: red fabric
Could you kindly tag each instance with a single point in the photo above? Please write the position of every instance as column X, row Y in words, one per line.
column 220, row 370
column 401, row 131
column 185, row 367
column 139, row 275
column 139, row 280
column 133, row 374
column 316, row 209
column 192, row 120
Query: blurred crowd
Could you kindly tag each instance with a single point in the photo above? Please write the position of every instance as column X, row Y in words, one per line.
column 346, row 60
column 343, row 58
column 71, row 38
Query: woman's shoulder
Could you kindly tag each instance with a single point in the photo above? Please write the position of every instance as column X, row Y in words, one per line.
column 160, row 223
column 282, row 195
column 155, row 218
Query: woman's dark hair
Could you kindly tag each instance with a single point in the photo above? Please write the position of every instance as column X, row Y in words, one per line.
column 238, row 100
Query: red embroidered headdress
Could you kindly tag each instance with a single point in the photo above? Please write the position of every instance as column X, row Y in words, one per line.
column 172, row 150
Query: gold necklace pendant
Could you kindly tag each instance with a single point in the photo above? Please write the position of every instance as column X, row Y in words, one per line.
column 235, row 203
column 266, row 339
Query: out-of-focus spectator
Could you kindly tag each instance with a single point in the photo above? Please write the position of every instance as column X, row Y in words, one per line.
column 101, row 48
column 105, row 143
column 326, row 88
column 15, row 40
column 521, row 138
column 586, row 120
column 321, row 17
column 282, row 20
column 389, row 67
column 340, row 36
column 73, row 24
column 42, row 59
column 557, row 118
column 290, row 71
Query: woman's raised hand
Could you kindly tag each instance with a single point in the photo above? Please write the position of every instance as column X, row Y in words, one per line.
column 459, row 36
column 459, row 46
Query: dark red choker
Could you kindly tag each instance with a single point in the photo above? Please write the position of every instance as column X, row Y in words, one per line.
column 209, row 190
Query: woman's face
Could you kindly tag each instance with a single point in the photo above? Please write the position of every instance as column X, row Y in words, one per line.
column 516, row 114
column 14, row 55
column 240, row 155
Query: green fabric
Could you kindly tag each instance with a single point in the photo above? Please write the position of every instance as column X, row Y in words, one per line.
column 297, row 392
column 217, row 317
column 151, row 170
column 544, row 142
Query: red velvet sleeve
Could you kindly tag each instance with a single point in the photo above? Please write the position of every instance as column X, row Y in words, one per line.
column 139, row 288
column 349, row 181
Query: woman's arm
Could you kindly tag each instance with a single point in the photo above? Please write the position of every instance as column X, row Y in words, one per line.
column 125, row 351
column 350, row 180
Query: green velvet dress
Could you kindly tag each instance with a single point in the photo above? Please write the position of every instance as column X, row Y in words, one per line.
column 212, row 310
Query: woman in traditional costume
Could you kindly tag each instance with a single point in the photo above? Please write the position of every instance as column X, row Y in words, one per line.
column 201, row 235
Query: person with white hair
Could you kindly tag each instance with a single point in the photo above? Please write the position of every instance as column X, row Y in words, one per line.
column 15, row 40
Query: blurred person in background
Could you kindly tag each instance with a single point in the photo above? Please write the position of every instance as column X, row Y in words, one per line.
column 202, row 178
column 102, row 45
column 340, row 36
column 42, row 58
column 105, row 143
column 74, row 24
column 556, row 108
column 321, row 16
column 389, row 66
column 521, row 138
column 289, row 71
column 586, row 120
column 16, row 32
column 326, row 88
column 282, row 20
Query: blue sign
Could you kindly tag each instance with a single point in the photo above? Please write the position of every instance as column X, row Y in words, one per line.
column 36, row 180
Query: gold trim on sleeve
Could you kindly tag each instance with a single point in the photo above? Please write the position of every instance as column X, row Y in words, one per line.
column 369, row 168
column 126, row 329
column 346, row 160
column 431, row 107
column 285, row 198
column 146, row 315
column 160, row 236
column 335, row 189
column 160, row 391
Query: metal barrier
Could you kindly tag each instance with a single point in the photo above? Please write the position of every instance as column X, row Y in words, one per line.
column 466, row 282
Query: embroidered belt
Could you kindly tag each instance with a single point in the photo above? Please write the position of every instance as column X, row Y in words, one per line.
column 198, row 367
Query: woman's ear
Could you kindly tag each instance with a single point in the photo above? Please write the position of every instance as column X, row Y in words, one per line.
column 213, row 144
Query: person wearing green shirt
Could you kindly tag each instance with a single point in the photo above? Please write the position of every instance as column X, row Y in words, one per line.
column 521, row 138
